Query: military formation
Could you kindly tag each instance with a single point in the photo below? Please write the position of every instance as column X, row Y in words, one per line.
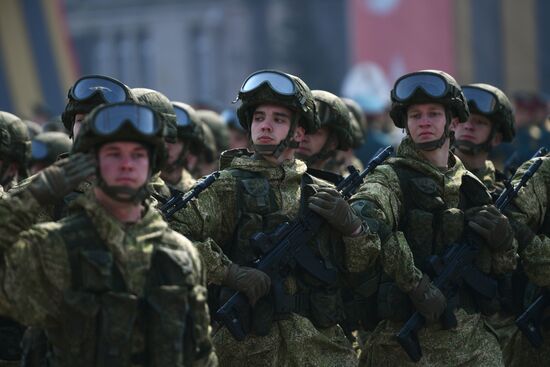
column 157, row 234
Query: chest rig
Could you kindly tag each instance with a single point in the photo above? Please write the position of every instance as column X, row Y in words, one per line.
column 258, row 210
column 103, row 324
column 429, row 225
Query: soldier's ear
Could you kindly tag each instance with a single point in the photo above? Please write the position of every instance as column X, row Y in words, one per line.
column 299, row 134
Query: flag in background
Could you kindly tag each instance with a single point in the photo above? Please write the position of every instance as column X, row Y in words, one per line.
column 37, row 65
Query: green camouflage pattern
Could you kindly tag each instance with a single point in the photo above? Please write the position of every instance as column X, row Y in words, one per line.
column 486, row 174
column 210, row 221
column 530, row 208
column 185, row 183
column 477, row 346
column 33, row 293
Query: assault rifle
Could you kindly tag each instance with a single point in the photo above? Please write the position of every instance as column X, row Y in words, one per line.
column 453, row 269
column 180, row 200
column 288, row 245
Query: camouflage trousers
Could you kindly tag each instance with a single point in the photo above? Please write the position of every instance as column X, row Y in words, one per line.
column 292, row 342
column 469, row 344
column 516, row 349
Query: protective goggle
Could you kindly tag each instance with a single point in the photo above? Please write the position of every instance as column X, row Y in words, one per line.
column 433, row 85
column 484, row 101
column 182, row 117
column 109, row 89
column 277, row 81
column 110, row 118
column 39, row 150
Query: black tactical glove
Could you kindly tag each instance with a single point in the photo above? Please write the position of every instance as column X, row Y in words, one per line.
column 492, row 226
column 428, row 300
column 59, row 179
column 329, row 204
column 252, row 282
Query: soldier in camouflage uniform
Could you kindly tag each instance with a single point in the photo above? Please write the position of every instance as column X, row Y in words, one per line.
column 318, row 149
column 256, row 192
column 418, row 203
column 491, row 122
column 112, row 285
column 530, row 216
column 46, row 149
column 15, row 148
column 219, row 129
column 190, row 140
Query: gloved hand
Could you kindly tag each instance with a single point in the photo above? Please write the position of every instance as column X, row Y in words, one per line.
column 329, row 204
column 59, row 179
column 428, row 299
column 491, row 225
column 252, row 282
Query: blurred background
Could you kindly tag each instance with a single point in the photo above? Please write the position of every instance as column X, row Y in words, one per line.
column 199, row 51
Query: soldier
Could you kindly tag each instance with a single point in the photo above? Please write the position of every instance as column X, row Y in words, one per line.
column 256, row 192
column 112, row 285
column 419, row 203
column 318, row 149
column 491, row 122
column 46, row 149
column 15, row 149
column 238, row 138
column 190, row 141
column 216, row 125
column 530, row 218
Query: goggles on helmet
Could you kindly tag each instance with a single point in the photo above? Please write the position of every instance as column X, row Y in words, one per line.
column 110, row 118
column 277, row 81
column 484, row 101
column 434, row 85
column 39, row 150
column 182, row 117
column 109, row 89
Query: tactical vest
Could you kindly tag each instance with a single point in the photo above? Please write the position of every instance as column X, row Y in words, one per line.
column 429, row 226
column 103, row 324
column 258, row 211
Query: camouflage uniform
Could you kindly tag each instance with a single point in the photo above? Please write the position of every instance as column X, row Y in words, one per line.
column 186, row 182
column 40, row 292
column 381, row 201
column 530, row 211
column 212, row 221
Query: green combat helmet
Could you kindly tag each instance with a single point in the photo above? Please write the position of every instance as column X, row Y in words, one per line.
column 89, row 92
column 216, row 124
column 491, row 102
column 125, row 121
column 15, row 146
column 333, row 115
column 162, row 105
column 48, row 146
column 272, row 86
column 358, row 122
column 428, row 86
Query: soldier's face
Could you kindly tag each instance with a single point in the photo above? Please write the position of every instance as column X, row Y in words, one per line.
column 174, row 151
column 124, row 164
column 476, row 130
column 313, row 143
column 426, row 122
column 270, row 124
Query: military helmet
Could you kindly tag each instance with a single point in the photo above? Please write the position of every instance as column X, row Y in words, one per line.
column 189, row 129
column 334, row 115
column 491, row 102
column 427, row 86
column 210, row 151
column 217, row 126
column 231, row 120
column 124, row 121
column 272, row 86
column 162, row 105
column 89, row 92
column 358, row 122
column 47, row 146
column 15, row 145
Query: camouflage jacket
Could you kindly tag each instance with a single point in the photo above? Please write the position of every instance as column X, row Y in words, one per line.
column 385, row 204
column 530, row 208
column 185, row 183
column 36, row 272
column 490, row 177
column 211, row 219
